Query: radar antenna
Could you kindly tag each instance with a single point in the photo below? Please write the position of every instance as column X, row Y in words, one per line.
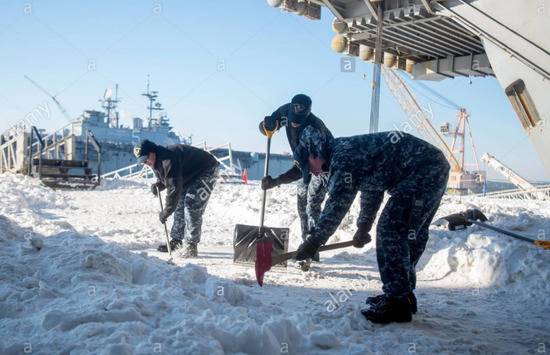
column 153, row 105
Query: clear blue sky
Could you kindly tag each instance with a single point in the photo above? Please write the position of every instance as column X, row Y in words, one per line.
column 220, row 66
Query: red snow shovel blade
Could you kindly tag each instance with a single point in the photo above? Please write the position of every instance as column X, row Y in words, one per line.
column 263, row 262
column 259, row 245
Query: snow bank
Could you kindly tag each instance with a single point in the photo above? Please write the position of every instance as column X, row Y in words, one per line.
column 77, row 294
column 473, row 258
column 70, row 285
column 66, row 292
column 21, row 193
column 485, row 258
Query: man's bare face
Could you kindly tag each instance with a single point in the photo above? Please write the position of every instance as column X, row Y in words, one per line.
column 151, row 159
column 316, row 165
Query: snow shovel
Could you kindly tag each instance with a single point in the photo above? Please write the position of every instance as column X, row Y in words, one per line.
column 164, row 224
column 465, row 219
column 253, row 243
column 264, row 262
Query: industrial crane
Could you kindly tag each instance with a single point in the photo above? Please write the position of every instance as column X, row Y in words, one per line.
column 404, row 96
column 58, row 104
column 460, row 180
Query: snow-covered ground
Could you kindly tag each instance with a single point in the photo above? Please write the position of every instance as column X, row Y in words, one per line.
column 79, row 274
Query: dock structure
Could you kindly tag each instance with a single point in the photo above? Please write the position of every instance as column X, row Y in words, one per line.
column 77, row 154
column 52, row 158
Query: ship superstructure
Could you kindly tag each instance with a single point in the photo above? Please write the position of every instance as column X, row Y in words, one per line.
column 78, row 154
column 117, row 140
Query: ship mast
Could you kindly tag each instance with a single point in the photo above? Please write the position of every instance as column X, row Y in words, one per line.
column 110, row 105
column 153, row 105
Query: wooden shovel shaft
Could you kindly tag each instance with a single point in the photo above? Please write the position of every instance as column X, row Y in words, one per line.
column 164, row 224
column 268, row 134
column 266, row 172
column 540, row 243
column 284, row 257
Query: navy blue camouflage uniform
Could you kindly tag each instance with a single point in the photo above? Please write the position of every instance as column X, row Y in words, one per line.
column 189, row 175
column 413, row 172
column 310, row 195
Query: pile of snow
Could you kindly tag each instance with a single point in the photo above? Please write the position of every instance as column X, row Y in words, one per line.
column 474, row 257
column 79, row 275
column 483, row 258
column 22, row 193
column 71, row 293
column 66, row 292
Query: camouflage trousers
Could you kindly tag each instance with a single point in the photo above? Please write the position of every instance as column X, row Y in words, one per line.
column 190, row 209
column 310, row 199
column 403, row 228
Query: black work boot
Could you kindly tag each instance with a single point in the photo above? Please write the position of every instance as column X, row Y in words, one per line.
column 389, row 309
column 190, row 251
column 374, row 300
column 174, row 245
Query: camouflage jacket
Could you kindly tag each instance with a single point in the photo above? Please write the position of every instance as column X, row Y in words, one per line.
column 372, row 164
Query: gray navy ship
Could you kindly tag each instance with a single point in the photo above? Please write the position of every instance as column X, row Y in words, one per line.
column 117, row 140
column 96, row 143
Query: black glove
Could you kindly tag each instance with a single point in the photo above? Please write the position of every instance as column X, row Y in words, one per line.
column 163, row 216
column 361, row 236
column 268, row 183
column 156, row 187
column 307, row 250
column 270, row 124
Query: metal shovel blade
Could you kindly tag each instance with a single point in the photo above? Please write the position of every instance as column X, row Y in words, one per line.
column 474, row 216
column 461, row 220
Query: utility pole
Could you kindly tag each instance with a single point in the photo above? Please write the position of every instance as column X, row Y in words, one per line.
column 378, row 57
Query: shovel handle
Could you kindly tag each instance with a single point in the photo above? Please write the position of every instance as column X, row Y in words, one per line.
column 544, row 244
column 284, row 257
column 268, row 134
column 164, row 224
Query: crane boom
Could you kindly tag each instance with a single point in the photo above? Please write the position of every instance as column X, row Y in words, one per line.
column 57, row 103
column 508, row 173
column 404, row 96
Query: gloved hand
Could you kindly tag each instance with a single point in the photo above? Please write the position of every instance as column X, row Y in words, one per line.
column 307, row 250
column 361, row 236
column 270, row 124
column 268, row 183
column 157, row 186
column 154, row 189
column 163, row 216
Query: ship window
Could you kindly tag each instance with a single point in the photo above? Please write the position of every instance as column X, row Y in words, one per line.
column 523, row 105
